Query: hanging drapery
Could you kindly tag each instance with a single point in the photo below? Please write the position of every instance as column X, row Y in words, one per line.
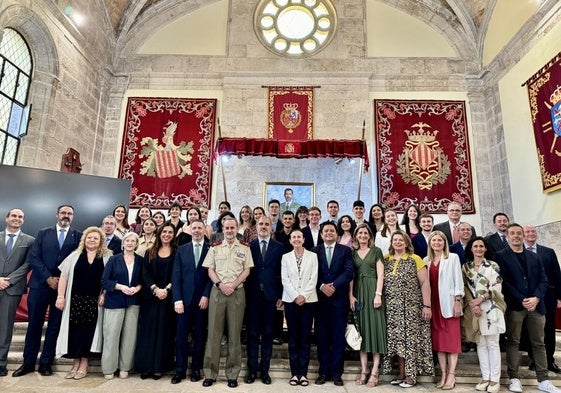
column 294, row 149
column 167, row 151
column 291, row 112
column 423, row 155
column 544, row 93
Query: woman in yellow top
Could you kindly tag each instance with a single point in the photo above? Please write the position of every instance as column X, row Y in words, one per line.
column 408, row 312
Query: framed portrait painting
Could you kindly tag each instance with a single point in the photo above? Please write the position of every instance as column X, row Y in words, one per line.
column 290, row 195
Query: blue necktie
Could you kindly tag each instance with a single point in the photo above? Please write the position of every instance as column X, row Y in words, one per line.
column 10, row 243
column 505, row 242
column 61, row 238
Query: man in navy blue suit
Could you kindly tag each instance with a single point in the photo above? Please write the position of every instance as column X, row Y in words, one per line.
column 109, row 225
column 49, row 249
column 552, row 298
column 524, row 287
column 335, row 272
column 459, row 247
column 420, row 241
column 191, row 289
column 263, row 289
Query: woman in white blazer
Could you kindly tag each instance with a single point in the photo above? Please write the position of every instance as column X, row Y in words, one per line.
column 299, row 272
column 447, row 291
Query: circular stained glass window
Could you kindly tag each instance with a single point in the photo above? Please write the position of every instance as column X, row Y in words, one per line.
column 295, row 28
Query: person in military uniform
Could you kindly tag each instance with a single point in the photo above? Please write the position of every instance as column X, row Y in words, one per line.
column 228, row 263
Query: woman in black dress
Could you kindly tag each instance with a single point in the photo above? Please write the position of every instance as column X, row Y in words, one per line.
column 79, row 290
column 156, row 323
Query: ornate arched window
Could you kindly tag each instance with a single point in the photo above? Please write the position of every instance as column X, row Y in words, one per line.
column 295, row 28
column 16, row 66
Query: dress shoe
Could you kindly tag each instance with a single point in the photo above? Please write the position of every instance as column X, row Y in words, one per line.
column 195, row 376
column 466, row 347
column 337, row 381
column 321, row 380
column 156, row 376
column 145, row 376
column 45, row 370
column 3, row 371
column 266, row 378
column 250, row 377
column 554, row 368
column 177, row 378
column 208, row 382
column 277, row 341
column 22, row 370
column 232, row 383
column 80, row 374
column 532, row 366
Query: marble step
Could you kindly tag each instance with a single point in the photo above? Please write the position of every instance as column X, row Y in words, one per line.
column 467, row 371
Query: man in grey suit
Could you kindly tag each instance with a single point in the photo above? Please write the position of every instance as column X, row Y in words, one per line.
column 14, row 250
column 451, row 227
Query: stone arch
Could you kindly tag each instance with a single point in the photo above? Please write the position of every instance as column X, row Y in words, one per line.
column 134, row 33
column 43, row 80
column 444, row 20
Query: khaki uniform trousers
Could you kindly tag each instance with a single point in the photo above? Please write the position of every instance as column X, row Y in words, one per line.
column 221, row 309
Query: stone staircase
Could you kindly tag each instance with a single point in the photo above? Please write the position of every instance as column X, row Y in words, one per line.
column 467, row 371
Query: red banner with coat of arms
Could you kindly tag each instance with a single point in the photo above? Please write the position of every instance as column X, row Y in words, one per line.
column 167, row 151
column 544, row 93
column 423, row 155
column 291, row 112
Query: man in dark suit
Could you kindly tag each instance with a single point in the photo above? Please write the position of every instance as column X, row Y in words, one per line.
column 282, row 234
column 14, row 251
column 113, row 243
column 335, row 272
column 552, row 298
column 420, row 244
column 451, row 227
column 524, row 287
column 497, row 241
column 191, row 290
column 49, row 249
column 263, row 289
column 312, row 236
column 459, row 247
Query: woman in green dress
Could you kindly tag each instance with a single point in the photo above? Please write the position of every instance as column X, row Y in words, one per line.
column 366, row 289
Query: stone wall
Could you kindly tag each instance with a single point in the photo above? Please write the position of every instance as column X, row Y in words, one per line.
column 70, row 81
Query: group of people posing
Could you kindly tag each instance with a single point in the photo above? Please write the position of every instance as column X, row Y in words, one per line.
column 151, row 294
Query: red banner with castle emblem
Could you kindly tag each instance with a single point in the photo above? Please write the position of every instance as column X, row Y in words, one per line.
column 544, row 93
column 167, row 151
column 291, row 112
column 423, row 155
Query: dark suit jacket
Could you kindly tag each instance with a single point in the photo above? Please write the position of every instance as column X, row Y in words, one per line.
column 340, row 273
column 266, row 272
column 457, row 248
column 46, row 256
column 553, row 273
column 420, row 245
column 15, row 266
column 115, row 245
column 516, row 286
column 190, row 283
column 309, row 239
column 116, row 272
column 495, row 244
column 445, row 228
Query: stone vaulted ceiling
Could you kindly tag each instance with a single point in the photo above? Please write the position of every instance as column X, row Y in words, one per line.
column 120, row 9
